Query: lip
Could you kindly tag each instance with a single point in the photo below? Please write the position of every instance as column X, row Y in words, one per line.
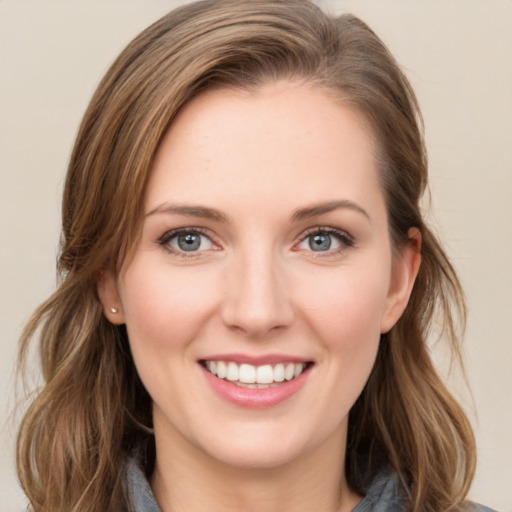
column 255, row 398
column 256, row 360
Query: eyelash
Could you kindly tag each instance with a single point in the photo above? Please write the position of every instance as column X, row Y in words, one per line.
column 164, row 240
column 345, row 239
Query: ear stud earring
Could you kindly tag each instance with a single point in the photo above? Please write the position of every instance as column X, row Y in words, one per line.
column 114, row 310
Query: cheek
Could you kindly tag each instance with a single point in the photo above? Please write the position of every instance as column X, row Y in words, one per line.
column 165, row 309
column 346, row 306
column 342, row 310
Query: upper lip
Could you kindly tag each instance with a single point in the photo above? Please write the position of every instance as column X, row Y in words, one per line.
column 256, row 360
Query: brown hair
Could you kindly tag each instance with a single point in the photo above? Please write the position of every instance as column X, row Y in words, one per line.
column 92, row 408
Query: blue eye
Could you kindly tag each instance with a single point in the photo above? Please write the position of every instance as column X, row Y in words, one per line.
column 186, row 241
column 319, row 242
column 327, row 240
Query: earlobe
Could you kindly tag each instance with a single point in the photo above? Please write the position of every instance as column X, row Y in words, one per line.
column 404, row 273
column 109, row 297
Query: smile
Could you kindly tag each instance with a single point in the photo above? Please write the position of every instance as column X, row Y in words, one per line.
column 255, row 377
column 255, row 384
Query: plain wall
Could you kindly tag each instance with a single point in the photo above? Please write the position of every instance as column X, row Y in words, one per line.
column 458, row 56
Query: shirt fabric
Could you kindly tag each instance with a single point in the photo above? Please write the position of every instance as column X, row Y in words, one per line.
column 383, row 495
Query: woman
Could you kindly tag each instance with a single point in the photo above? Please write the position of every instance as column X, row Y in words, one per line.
column 247, row 282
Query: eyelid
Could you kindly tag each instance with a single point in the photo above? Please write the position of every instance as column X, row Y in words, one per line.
column 164, row 240
column 346, row 239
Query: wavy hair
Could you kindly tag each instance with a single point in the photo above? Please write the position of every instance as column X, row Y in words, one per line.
column 92, row 409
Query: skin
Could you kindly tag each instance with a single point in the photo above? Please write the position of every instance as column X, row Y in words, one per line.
column 256, row 287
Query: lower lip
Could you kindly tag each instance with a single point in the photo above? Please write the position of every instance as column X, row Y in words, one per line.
column 255, row 398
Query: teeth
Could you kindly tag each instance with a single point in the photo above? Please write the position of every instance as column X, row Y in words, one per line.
column 279, row 373
column 222, row 370
column 289, row 371
column 255, row 377
column 264, row 374
column 232, row 372
column 247, row 373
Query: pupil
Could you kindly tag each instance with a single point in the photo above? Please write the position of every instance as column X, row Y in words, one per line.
column 189, row 242
column 320, row 242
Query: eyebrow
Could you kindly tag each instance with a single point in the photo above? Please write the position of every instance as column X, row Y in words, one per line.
column 329, row 206
column 203, row 212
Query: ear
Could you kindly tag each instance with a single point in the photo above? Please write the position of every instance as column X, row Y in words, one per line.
column 109, row 297
column 404, row 272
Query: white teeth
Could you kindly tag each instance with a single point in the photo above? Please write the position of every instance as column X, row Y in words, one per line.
column 264, row 374
column 232, row 372
column 250, row 376
column 279, row 372
column 243, row 385
column 222, row 371
column 247, row 373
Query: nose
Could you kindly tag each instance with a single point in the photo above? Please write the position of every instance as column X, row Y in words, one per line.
column 257, row 300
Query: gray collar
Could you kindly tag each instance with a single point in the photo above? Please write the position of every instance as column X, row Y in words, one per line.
column 139, row 492
column 383, row 495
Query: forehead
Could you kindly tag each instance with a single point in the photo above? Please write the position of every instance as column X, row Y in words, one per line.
column 286, row 142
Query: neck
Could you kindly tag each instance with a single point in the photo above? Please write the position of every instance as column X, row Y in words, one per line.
column 188, row 479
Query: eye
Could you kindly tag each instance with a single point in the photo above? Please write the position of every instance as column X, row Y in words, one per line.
column 186, row 241
column 327, row 240
column 320, row 242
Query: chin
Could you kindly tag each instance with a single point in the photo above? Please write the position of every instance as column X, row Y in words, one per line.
column 265, row 446
column 243, row 456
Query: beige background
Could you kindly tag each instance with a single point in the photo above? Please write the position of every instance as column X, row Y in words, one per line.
column 458, row 55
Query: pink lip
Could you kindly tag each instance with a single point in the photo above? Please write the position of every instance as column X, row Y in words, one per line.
column 256, row 360
column 255, row 398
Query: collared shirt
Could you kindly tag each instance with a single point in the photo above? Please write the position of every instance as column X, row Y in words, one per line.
column 383, row 495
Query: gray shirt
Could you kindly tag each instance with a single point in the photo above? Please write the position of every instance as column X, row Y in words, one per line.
column 383, row 495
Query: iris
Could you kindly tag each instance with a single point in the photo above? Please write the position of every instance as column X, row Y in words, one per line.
column 320, row 242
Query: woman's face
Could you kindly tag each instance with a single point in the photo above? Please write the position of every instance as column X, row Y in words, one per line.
column 256, row 296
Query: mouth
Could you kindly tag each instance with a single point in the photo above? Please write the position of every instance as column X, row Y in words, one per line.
column 250, row 376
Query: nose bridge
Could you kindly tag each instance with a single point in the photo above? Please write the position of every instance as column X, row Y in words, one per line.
column 257, row 301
